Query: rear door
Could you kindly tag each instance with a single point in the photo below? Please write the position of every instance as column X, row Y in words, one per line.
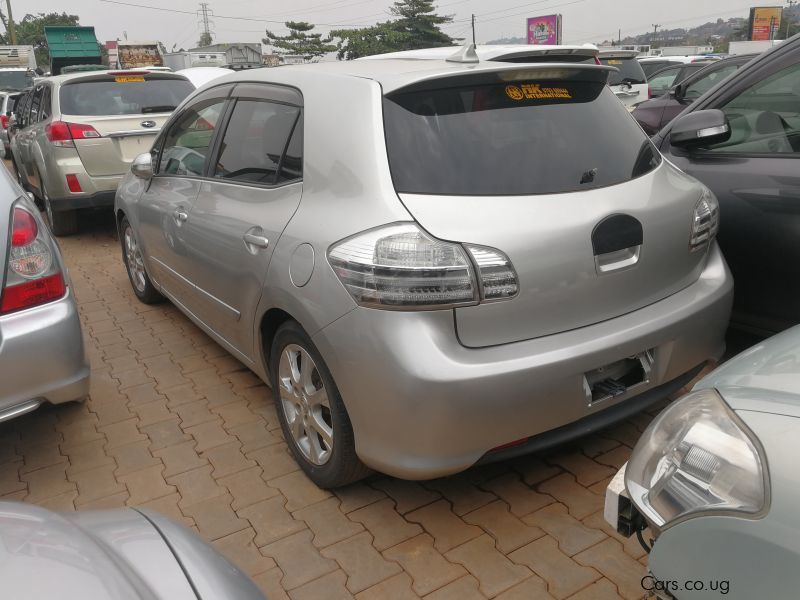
column 163, row 209
column 253, row 189
column 555, row 174
column 126, row 112
column 756, row 176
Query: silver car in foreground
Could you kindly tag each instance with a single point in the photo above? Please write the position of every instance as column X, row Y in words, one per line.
column 434, row 263
column 715, row 478
column 125, row 554
column 41, row 346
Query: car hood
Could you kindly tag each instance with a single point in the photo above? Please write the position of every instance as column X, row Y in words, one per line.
column 765, row 377
column 93, row 555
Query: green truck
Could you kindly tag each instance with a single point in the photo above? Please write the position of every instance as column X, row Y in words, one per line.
column 72, row 46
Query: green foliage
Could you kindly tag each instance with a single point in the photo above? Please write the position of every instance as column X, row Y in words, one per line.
column 415, row 25
column 30, row 32
column 205, row 40
column 300, row 42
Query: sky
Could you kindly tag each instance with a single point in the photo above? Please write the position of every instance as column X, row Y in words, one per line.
column 177, row 22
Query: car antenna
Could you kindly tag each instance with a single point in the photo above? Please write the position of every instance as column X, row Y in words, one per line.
column 465, row 54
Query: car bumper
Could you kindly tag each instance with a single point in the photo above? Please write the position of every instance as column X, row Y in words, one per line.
column 42, row 357
column 423, row 406
column 96, row 191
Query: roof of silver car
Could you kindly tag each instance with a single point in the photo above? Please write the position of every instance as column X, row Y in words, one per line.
column 394, row 74
column 490, row 52
column 94, row 74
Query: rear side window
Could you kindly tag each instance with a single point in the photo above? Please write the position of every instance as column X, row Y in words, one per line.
column 630, row 71
column 529, row 137
column 255, row 141
column 123, row 95
column 292, row 164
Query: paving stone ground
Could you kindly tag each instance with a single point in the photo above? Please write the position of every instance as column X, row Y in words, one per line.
column 175, row 424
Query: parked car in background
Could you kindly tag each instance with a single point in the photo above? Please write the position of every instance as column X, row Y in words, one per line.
column 748, row 153
column 629, row 83
column 714, row 478
column 77, row 134
column 651, row 64
column 660, row 82
column 407, row 334
column 8, row 100
column 653, row 114
column 199, row 76
column 125, row 554
column 41, row 345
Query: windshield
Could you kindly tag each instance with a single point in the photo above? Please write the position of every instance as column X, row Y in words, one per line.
column 15, row 80
column 529, row 137
column 123, row 95
column 630, row 71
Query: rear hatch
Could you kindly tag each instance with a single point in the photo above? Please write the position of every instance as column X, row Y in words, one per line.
column 126, row 110
column 545, row 165
column 629, row 83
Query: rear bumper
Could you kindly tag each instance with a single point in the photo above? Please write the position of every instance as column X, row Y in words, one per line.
column 42, row 357
column 96, row 191
column 423, row 406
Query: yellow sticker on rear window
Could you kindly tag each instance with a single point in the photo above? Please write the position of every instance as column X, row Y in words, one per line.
column 128, row 78
column 534, row 91
column 612, row 61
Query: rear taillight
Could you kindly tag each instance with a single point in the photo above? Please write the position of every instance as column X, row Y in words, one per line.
column 402, row 267
column 4, row 121
column 63, row 134
column 649, row 92
column 33, row 275
column 705, row 221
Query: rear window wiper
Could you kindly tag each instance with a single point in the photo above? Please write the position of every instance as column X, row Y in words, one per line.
column 160, row 108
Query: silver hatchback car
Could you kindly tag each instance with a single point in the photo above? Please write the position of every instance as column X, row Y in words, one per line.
column 41, row 346
column 434, row 263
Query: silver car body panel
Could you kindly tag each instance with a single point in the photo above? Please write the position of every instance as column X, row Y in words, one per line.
column 421, row 403
column 41, row 348
column 103, row 555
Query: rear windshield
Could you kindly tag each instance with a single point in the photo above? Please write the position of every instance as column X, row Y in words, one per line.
column 530, row 137
column 123, row 95
column 630, row 71
column 15, row 80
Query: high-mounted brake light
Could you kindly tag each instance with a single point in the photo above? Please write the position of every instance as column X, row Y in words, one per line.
column 33, row 276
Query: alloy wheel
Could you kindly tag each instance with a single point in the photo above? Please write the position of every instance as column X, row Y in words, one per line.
column 305, row 404
column 133, row 259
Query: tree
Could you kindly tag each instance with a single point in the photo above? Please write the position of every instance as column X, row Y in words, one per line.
column 416, row 25
column 30, row 31
column 205, row 40
column 300, row 42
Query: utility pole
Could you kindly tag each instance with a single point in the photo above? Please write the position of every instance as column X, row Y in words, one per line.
column 619, row 37
column 791, row 3
column 205, row 12
column 473, row 30
column 12, row 30
column 655, row 29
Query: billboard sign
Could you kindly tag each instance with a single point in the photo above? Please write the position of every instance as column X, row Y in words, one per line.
column 765, row 22
column 137, row 55
column 545, row 30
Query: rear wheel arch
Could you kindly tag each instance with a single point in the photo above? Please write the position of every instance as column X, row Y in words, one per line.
column 270, row 322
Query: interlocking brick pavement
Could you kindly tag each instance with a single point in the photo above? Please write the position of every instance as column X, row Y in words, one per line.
column 176, row 424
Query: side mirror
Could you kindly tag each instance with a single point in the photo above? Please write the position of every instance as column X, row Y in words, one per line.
column 142, row 166
column 677, row 92
column 700, row 128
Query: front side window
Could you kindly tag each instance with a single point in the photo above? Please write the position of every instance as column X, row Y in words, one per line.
column 36, row 101
column 661, row 82
column 188, row 140
column 765, row 118
column 44, row 106
column 708, row 80
column 255, row 140
column 513, row 138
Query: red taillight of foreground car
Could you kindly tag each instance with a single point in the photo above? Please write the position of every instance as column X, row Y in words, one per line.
column 61, row 133
column 33, row 276
column 73, row 184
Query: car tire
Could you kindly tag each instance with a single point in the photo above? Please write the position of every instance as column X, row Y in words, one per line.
column 328, row 465
column 61, row 222
column 133, row 260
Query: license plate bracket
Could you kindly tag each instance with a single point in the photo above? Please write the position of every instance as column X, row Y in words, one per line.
column 618, row 378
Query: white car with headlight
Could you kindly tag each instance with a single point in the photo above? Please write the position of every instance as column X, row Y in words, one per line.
column 715, row 479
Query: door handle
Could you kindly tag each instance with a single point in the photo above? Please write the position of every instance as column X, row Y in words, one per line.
column 181, row 216
column 256, row 240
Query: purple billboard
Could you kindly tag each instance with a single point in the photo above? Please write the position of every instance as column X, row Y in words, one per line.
column 545, row 30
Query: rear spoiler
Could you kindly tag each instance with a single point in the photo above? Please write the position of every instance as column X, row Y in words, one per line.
column 490, row 72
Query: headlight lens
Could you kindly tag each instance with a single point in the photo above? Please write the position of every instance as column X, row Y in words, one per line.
column 697, row 456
